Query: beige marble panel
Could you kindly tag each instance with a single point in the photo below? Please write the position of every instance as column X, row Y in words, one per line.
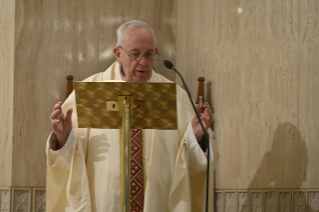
column 309, row 87
column 248, row 51
column 194, row 49
column 256, row 97
column 52, row 40
column 194, row 42
column 7, row 14
column 230, row 72
column 161, row 16
column 275, row 137
column 232, row 96
column 111, row 17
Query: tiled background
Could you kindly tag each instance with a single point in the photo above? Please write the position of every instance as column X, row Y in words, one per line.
column 267, row 201
column 22, row 199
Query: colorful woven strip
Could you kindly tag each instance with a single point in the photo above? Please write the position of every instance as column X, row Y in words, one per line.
column 137, row 175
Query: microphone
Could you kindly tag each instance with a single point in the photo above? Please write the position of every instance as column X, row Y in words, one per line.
column 168, row 64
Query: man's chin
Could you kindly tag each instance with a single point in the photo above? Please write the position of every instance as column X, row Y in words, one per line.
column 139, row 78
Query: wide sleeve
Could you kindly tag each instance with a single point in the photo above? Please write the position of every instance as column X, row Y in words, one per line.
column 197, row 159
column 189, row 178
column 180, row 193
column 62, row 158
column 67, row 180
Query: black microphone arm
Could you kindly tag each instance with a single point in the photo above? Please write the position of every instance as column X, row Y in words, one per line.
column 169, row 65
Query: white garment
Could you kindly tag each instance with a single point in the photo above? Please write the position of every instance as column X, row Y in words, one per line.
column 85, row 174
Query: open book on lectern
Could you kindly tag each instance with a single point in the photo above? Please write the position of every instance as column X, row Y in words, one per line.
column 99, row 104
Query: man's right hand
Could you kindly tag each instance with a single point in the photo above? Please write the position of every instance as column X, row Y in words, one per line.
column 61, row 124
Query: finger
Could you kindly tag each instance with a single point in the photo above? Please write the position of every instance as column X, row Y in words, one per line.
column 55, row 114
column 61, row 115
column 205, row 122
column 57, row 106
column 198, row 109
column 195, row 120
column 208, row 114
column 206, row 105
column 68, row 116
column 54, row 124
column 208, row 111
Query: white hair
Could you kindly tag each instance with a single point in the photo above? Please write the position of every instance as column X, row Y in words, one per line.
column 130, row 25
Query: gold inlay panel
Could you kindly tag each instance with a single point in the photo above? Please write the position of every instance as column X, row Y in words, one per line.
column 157, row 99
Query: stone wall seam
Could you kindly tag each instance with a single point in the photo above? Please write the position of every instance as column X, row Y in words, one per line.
column 230, row 201
column 21, row 200
column 299, row 201
column 219, row 201
column 267, row 200
column 270, row 201
column 38, row 200
column 312, row 200
column 284, row 201
column 5, row 198
column 243, row 201
column 256, row 198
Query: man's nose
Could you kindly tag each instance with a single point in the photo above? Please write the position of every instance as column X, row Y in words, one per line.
column 143, row 61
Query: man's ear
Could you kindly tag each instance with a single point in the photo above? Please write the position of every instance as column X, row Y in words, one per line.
column 117, row 53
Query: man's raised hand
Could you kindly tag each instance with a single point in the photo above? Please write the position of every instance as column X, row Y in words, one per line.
column 206, row 118
column 61, row 124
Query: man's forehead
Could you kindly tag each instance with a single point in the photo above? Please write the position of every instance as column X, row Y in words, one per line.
column 138, row 49
column 137, row 31
column 137, row 38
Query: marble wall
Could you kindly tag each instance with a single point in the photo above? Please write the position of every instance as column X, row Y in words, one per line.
column 260, row 59
column 309, row 86
column 7, row 13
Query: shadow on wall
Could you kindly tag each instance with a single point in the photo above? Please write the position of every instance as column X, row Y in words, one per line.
column 285, row 166
column 282, row 169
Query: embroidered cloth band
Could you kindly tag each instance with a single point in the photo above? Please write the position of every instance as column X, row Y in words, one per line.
column 137, row 175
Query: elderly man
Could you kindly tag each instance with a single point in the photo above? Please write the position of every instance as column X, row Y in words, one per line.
column 84, row 168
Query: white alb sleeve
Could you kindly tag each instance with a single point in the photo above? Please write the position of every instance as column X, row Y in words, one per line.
column 197, row 159
column 61, row 158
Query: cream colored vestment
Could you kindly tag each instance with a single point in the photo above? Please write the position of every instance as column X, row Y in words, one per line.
column 85, row 174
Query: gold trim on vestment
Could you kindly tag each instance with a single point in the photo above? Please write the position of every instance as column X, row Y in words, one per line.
column 144, row 163
column 88, row 134
column 121, row 163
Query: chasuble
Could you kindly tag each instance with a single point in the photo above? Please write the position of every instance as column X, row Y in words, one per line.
column 85, row 175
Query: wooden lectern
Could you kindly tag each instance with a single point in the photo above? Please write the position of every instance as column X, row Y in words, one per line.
column 123, row 105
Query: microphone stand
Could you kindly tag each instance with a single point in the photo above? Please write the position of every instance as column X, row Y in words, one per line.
column 169, row 65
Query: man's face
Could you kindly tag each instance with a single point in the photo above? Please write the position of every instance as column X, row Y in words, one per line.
column 136, row 40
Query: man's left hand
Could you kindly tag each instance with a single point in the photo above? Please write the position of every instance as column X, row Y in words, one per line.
column 206, row 118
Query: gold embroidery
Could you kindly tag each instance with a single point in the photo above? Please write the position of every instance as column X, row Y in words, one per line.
column 144, row 163
column 121, row 161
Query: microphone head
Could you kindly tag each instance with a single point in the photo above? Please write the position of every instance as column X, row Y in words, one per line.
column 168, row 64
